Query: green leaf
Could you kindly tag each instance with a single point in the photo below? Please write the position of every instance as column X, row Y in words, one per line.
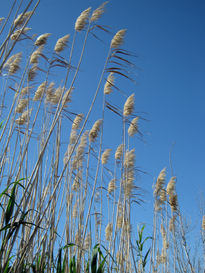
column 94, row 260
column 10, row 206
column 59, row 261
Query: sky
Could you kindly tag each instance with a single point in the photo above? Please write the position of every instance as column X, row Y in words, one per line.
column 168, row 39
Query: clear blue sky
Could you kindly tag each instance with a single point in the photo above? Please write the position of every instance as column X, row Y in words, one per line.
column 168, row 38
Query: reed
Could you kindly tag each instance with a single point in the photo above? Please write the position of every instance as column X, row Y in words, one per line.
column 67, row 198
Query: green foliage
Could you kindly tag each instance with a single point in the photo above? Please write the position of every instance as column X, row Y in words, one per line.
column 140, row 246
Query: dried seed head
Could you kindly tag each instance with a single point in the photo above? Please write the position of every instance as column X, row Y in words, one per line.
column 67, row 97
column 133, row 128
column 109, row 84
column 128, row 183
column 105, row 156
column 129, row 106
column 61, row 43
column 32, row 72
column 173, row 202
column 42, row 39
column 15, row 36
column 22, row 103
column 203, row 223
column 76, row 184
column 50, row 92
column 82, row 20
column 10, row 60
column 127, row 227
column 77, row 121
column 157, row 205
column 81, row 147
column 171, row 186
column 120, row 216
column 36, row 54
column 119, row 152
column 95, row 130
column 25, row 90
column 13, row 63
column 21, row 18
column 160, row 182
column 57, row 95
column 23, row 118
column 129, row 160
column 163, row 195
column 118, row 39
column 40, row 91
column 172, row 224
column 111, row 186
column 98, row 12
column 73, row 137
column 108, row 232
column 87, row 242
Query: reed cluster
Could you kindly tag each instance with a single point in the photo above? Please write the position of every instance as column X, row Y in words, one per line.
column 67, row 198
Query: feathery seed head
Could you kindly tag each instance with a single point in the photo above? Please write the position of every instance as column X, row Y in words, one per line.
column 133, row 128
column 25, row 90
column 119, row 152
column 77, row 121
column 22, row 103
column 171, row 186
column 40, row 91
column 32, row 72
column 173, row 202
column 163, row 195
column 15, row 36
column 61, row 43
column 87, row 242
column 129, row 160
column 42, row 39
column 157, row 205
column 129, row 106
column 12, row 64
column 67, row 97
column 109, row 84
column 82, row 20
column 35, row 55
column 76, row 184
column 24, row 117
column 160, row 182
column 111, row 186
column 21, row 18
column 50, row 92
column 105, row 156
column 172, row 224
column 57, row 95
column 118, row 39
column 73, row 137
column 108, row 232
column 95, row 130
column 98, row 12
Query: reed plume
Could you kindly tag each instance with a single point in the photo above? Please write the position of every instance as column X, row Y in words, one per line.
column 129, row 106
column 82, row 20
column 118, row 39
column 61, row 43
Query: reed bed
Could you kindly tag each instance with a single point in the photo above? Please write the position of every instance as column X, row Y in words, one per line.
column 67, row 199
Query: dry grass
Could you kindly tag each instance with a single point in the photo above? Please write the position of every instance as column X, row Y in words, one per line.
column 54, row 196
